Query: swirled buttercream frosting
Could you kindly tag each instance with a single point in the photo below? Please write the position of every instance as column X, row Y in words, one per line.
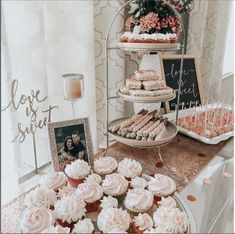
column 108, row 202
column 129, row 168
column 167, row 202
column 105, row 165
column 115, row 184
column 138, row 182
column 138, row 200
column 67, row 190
column 36, row 220
column 56, row 229
column 83, row 226
column 94, row 178
column 70, row 208
column 175, row 221
column 161, row 185
column 54, row 180
column 143, row 221
column 90, row 192
column 78, row 169
column 111, row 219
column 40, row 197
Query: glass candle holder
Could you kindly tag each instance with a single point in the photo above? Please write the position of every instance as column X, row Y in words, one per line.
column 73, row 86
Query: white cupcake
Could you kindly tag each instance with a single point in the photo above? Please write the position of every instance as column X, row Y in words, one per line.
column 115, row 185
column 91, row 193
column 105, row 166
column 54, row 180
column 40, row 197
column 77, row 171
column 167, row 202
column 161, row 186
column 109, row 202
column 138, row 182
column 138, row 200
column 176, row 220
column 129, row 168
column 69, row 210
column 94, row 178
column 111, row 219
column 36, row 220
column 141, row 223
column 83, row 226
column 56, row 229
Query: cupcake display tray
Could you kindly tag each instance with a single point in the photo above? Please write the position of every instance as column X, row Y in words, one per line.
column 140, row 47
column 168, row 135
column 180, row 204
column 156, row 99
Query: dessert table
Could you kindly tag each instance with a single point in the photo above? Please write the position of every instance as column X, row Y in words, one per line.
column 189, row 162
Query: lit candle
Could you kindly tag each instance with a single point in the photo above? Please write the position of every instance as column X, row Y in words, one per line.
column 73, row 86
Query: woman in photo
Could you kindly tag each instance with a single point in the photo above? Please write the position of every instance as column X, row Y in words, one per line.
column 69, row 151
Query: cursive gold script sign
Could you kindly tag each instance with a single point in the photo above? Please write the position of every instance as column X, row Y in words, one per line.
column 31, row 111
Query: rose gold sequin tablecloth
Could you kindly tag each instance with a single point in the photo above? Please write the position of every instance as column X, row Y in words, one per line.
column 184, row 158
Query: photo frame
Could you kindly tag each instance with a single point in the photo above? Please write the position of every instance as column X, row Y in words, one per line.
column 192, row 89
column 70, row 140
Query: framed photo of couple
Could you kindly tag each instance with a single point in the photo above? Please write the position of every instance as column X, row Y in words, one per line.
column 70, row 140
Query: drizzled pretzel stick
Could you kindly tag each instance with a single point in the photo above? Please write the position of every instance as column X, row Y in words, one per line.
column 158, row 129
column 154, row 125
column 144, row 119
column 132, row 119
column 140, row 132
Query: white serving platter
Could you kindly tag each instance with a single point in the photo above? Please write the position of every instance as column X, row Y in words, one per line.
column 209, row 141
column 138, row 47
column 167, row 136
column 137, row 99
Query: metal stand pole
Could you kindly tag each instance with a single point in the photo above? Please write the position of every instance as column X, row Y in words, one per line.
column 159, row 154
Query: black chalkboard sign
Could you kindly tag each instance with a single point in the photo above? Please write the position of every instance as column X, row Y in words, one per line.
column 191, row 86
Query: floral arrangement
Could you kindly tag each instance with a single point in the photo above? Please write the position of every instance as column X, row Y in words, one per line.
column 155, row 16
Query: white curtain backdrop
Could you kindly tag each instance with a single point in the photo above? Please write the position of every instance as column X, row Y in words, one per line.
column 41, row 40
column 208, row 25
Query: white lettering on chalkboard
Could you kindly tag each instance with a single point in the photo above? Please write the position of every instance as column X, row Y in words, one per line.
column 190, row 90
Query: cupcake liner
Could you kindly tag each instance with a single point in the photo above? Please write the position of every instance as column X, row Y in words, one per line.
column 134, row 229
column 66, row 224
column 93, row 207
column 120, row 198
column 75, row 182
column 158, row 198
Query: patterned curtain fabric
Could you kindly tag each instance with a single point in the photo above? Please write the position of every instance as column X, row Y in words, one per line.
column 104, row 11
column 208, row 26
column 41, row 41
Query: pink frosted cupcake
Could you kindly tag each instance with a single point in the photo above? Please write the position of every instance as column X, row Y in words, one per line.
column 91, row 193
column 138, row 200
column 41, row 197
column 112, row 220
column 54, row 180
column 141, row 223
column 105, row 166
column 69, row 210
column 65, row 191
column 76, row 172
column 84, row 226
column 129, row 168
column 161, row 186
column 56, row 229
column 36, row 220
column 115, row 185
column 94, row 178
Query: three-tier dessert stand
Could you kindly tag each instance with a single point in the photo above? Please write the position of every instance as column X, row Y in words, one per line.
column 171, row 128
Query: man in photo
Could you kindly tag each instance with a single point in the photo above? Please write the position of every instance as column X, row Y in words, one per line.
column 73, row 148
